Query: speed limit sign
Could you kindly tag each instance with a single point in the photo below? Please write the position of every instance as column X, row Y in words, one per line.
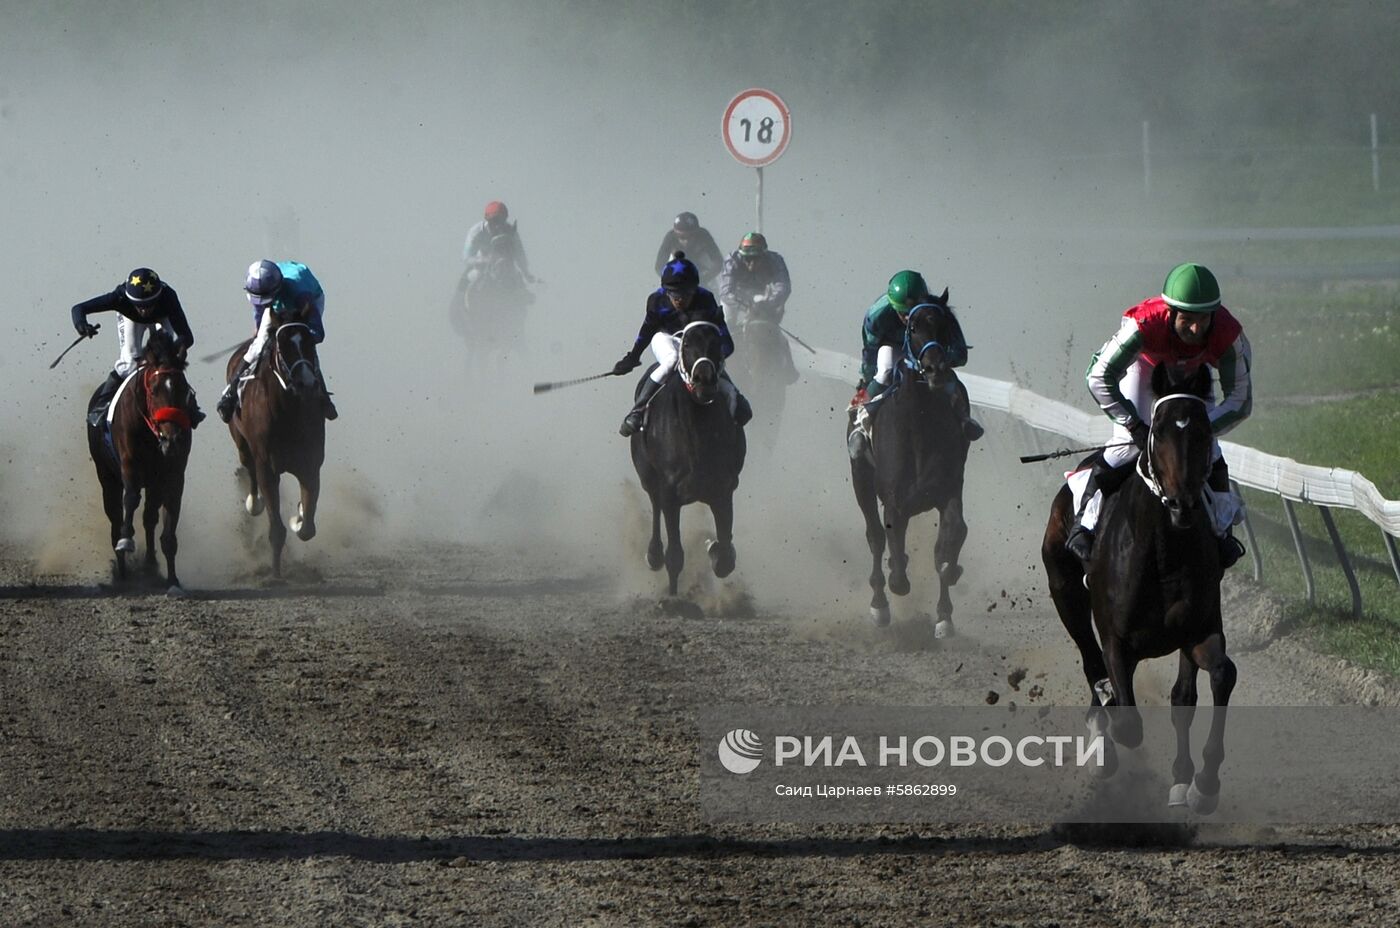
column 757, row 127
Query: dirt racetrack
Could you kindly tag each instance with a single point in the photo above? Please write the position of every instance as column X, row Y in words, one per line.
column 463, row 735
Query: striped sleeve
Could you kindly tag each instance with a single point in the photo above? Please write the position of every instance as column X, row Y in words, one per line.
column 1107, row 369
column 1238, row 401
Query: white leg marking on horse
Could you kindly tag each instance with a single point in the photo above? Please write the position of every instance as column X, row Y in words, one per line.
column 126, row 544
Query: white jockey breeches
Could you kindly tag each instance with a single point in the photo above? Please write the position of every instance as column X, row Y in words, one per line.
column 130, row 337
column 884, row 365
column 667, row 349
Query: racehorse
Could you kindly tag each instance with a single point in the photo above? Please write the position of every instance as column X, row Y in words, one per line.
column 146, row 447
column 1153, row 585
column 691, row 450
column 489, row 312
column 919, row 453
column 279, row 428
column 762, row 362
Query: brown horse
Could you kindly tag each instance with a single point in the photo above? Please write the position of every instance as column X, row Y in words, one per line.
column 146, row 447
column 1153, row 586
column 279, row 428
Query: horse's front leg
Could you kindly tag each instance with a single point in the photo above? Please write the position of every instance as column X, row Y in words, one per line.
column 863, row 480
column 952, row 532
column 174, row 493
column 1183, row 713
column 1209, row 655
column 276, row 530
column 897, row 527
column 1124, row 715
column 721, row 550
column 131, row 498
column 304, row 522
column 656, row 555
column 675, row 554
column 150, row 518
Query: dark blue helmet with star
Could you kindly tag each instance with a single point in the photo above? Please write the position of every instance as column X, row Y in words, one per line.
column 679, row 274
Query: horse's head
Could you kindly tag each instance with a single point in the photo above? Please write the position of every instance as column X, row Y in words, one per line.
column 922, row 350
column 295, row 352
column 701, row 360
column 167, row 395
column 1178, row 456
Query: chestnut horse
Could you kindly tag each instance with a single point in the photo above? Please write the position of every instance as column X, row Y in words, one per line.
column 279, row 428
column 145, row 447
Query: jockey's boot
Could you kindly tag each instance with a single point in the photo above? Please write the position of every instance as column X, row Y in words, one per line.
column 1231, row 549
column 633, row 420
column 1080, row 540
column 97, row 414
column 228, row 400
column 743, row 412
column 327, row 405
column 195, row 413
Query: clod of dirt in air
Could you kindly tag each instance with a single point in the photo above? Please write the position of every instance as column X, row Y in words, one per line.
column 1015, row 677
column 992, row 697
column 991, row 606
column 1035, row 692
column 957, row 668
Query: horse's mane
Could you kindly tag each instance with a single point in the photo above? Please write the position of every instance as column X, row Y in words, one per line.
column 161, row 354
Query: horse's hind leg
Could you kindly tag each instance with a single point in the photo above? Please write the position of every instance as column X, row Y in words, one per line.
column 899, row 559
column 1183, row 712
column 863, row 480
column 1209, row 655
column 276, row 529
column 1125, row 718
column 675, row 554
column 112, row 506
column 721, row 550
column 253, row 502
column 304, row 522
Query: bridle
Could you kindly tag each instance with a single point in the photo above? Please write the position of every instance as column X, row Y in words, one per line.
column 161, row 414
column 282, row 367
column 688, row 376
column 912, row 359
column 1144, row 463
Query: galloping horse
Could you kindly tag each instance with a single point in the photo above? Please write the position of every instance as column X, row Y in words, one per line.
column 279, row 428
column 1153, row 585
column 691, row 450
column 145, row 447
column 919, row 456
column 762, row 362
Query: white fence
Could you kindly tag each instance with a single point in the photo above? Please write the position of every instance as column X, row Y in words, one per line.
column 1323, row 487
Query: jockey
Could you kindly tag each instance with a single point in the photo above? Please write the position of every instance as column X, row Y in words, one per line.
column 689, row 236
column 280, row 292
column 141, row 301
column 882, row 336
column 494, row 239
column 755, row 282
column 679, row 301
column 1186, row 327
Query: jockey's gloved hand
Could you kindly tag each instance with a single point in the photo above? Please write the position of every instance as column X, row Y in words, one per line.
column 1140, row 430
column 87, row 329
column 626, row 364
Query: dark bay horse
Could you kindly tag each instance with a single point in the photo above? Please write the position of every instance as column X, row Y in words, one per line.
column 1153, row 586
column 149, row 446
column 691, row 450
column 919, row 455
column 279, row 428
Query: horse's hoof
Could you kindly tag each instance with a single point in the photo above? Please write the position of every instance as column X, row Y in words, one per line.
column 1104, row 691
column 1110, row 760
column 1176, row 797
column 880, row 615
column 253, row 504
column 950, row 574
column 943, row 628
column 899, row 584
column 126, row 546
column 304, row 530
column 1201, row 803
column 656, row 559
column 175, row 592
column 722, row 558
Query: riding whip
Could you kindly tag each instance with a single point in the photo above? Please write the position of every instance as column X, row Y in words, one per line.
column 1066, row 452
column 218, row 354
column 546, row 387
column 66, row 350
column 796, row 339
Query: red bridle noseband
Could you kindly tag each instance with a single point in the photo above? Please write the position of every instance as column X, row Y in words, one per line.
column 162, row 414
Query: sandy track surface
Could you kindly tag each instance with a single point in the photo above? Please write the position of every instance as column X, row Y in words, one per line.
column 456, row 735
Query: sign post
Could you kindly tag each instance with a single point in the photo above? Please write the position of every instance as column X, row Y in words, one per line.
column 756, row 129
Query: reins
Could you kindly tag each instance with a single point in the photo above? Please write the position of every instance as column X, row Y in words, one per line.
column 688, row 376
column 1144, row 467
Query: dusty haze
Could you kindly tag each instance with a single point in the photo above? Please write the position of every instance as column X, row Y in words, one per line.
column 164, row 135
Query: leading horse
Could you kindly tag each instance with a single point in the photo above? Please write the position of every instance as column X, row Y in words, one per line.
column 1153, row 586
column 279, row 428
column 145, row 446
column 691, row 450
column 918, row 455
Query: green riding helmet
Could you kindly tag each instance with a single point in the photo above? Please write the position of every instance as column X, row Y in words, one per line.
column 753, row 245
column 1191, row 288
column 907, row 289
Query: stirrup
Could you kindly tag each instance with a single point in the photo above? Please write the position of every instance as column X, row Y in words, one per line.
column 631, row 423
